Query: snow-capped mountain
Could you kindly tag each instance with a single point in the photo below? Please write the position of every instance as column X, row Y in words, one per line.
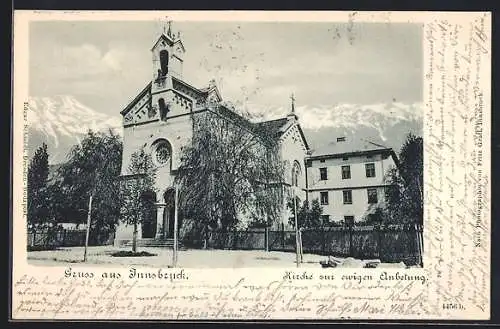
column 61, row 122
column 386, row 123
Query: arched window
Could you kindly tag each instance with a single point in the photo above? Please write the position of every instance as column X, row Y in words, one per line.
column 164, row 62
column 163, row 109
column 295, row 173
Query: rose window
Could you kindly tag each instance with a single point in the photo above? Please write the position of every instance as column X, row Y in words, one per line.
column 162, row 153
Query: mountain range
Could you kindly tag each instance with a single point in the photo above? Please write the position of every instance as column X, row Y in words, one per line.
column 62, row 121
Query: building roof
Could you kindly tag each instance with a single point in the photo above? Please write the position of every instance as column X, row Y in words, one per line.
column 165, row 37
column 190, row 86
column 142, row 93
column 351, row 147
column 203, row 92
column 275, row 128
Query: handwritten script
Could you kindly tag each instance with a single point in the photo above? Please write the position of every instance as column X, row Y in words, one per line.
column 177, row 294
column 456, row 170
column 454, row 282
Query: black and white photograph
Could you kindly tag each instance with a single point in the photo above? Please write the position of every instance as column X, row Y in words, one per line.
column 225, row 144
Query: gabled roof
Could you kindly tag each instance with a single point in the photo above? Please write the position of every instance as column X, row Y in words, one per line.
column 350, row 147
column 203, row 91
column 179, row 41
column 272, row 128
column 275, row 128
column 303, row 136
column 166, row 38
column 278, row 127
column 187, row 85
column 146, row 90
column 206, row 91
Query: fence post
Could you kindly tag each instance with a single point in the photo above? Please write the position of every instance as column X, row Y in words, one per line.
column 420, row 234
column 323, row 236
column 379, row 241
column 266, row 238
column 87, row 233
column 283, row 236
column 419, row 247
column 301, row 247
column 350, row 241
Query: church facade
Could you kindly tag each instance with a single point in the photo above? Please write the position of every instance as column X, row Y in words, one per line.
column 160, row 120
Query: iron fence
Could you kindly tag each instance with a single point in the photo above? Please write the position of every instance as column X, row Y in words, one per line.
column 391, row 243
column 53, row 238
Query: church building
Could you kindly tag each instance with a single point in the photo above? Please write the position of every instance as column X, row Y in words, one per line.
column 160, row 120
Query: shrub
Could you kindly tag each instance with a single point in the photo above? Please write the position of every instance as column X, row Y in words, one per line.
column 42, row 248
column 192, row 233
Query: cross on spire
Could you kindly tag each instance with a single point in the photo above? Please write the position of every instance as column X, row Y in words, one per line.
column 169, row 32
column 169, row 25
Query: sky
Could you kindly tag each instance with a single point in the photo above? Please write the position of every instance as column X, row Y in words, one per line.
column 258, row 65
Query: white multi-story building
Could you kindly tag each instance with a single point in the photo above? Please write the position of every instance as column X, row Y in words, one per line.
column 347, row 177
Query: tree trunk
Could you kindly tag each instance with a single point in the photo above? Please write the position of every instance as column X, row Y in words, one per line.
column 134, row 238
column 205, row 237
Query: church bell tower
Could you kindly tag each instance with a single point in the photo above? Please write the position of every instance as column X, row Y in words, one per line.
column 168, row 57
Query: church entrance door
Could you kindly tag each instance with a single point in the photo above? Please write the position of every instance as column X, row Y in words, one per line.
column 148, row 220
column 169, row 215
